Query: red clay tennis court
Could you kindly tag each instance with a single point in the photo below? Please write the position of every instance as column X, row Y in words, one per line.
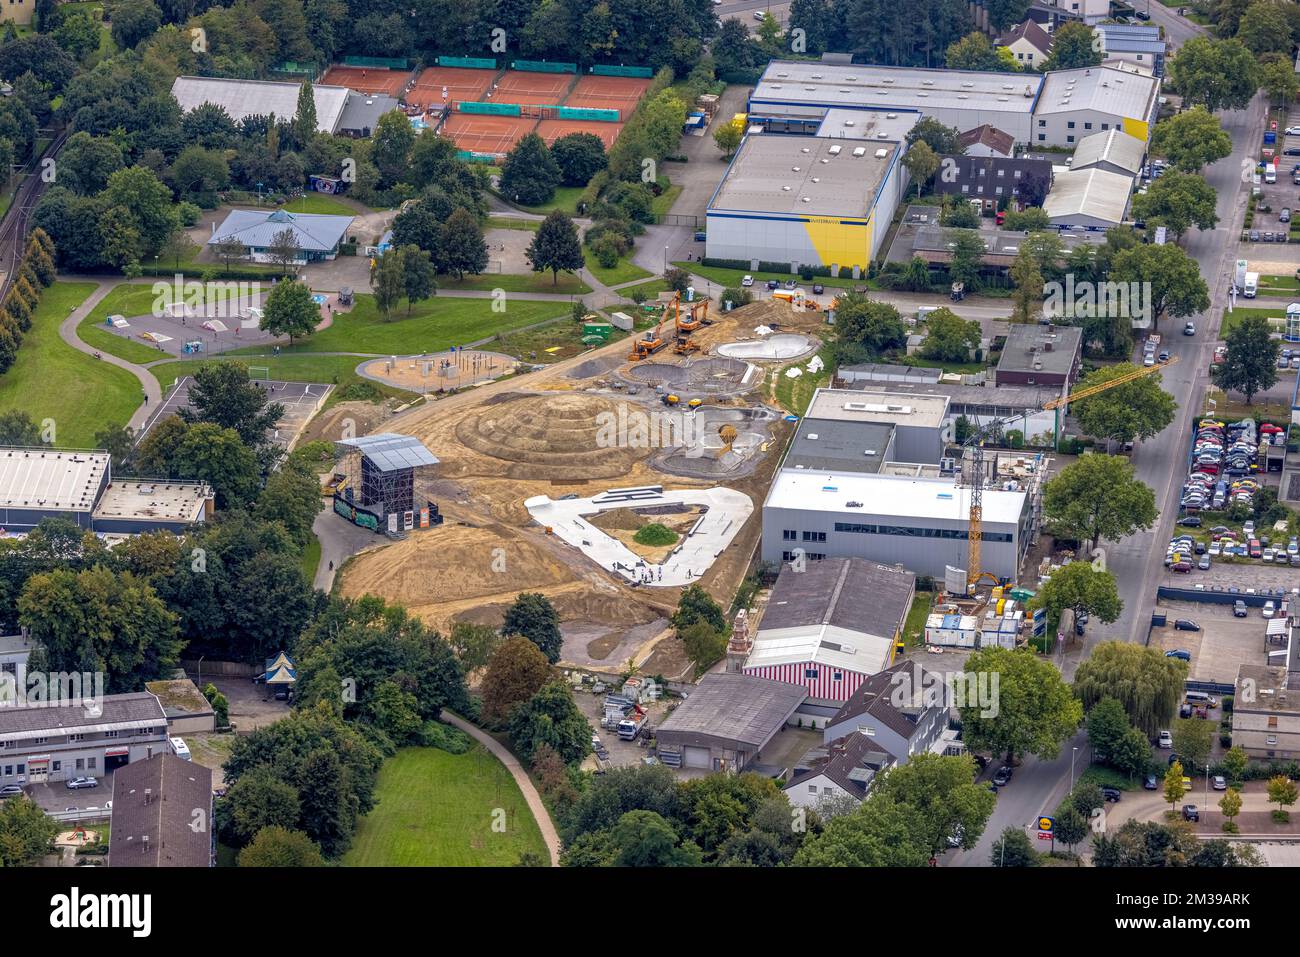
column 462, row 83
column 537, row 89
column 552, row 130
column 367, row 79
column 486, row 134
column 608, row 93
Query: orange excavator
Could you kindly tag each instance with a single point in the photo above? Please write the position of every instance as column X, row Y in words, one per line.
column 648, row 344
column 696, row 316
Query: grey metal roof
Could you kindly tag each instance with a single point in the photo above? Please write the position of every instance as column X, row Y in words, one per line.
column 736, row 709
column 1100, row 88
column 1091, row 193
column 849, row 593
column 1114, row 147
column 391, row 452
column 362, row 111
column 962, row 398
column 242, row 98
column 1053, row 347
column 313, row 231
column 117, row 712
column 44, row 478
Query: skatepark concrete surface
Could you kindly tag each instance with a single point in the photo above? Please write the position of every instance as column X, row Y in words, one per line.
column 774, row 348
column 727, row 512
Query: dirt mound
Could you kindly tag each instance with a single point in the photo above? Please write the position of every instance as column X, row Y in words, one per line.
column 619, row 518
column 547, row 437
column 346, row 418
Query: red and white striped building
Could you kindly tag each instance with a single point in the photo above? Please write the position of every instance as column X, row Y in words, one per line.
column 830, row 627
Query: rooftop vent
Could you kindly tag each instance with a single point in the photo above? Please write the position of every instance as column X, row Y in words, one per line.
column 891, row 116
column 835, row 150
column 881, row 154
column 859, row 151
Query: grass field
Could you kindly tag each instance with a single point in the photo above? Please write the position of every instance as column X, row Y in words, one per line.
column 624, row 271
column 126, row 299
column 567, row 284
column 319, row 203
column 1230, row 319
column 508, row 222
column 795, row 394
column 662, row 203
column 435, row 809
column 50, row 379
column 914, row 624
column 338, row 370
column 311, row 559
column 432, row 326
column 565, row 200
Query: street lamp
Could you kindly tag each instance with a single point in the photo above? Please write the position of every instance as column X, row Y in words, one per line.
column 665, row 260
column 1073, row 752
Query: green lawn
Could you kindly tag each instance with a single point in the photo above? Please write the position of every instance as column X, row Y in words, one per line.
column 311, row 559
column 435, row 809
column 432, row 326
column 795, row 394
column 914, row 625
column 1230, row 319
column 565, row 200
column 566, row 283
column 662, row 203
column 319, row 203
column 508, row 222
column 304, row 367
column 50, row 379
column 623, row 271
column 1279, row 284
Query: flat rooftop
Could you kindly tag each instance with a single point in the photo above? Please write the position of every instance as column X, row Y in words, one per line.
column 805, row 175
column 868, row 125
column 1011, row 398
column 1054, row 348
column 883, row 87
column 1100, row 88
column 169, row 501
column 828, row 445
column 880, row 405
column 888, row 496
column 51, row 479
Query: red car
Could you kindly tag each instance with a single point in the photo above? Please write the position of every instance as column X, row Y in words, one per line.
column 1183, row 567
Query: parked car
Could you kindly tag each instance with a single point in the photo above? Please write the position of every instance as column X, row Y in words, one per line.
column 818, row 289
column 1189, row 328
column 747, row 281
column 1002, row 776
column 74, row 784
column 773, row 284
column 1186, row 624
column 1185, row 711
column 1190, row 813
column 10, row 790
column 1149, row 783
column 1110, row 794
column 1269, row 609
column 1220, row 783
column 1180, row 654
column 1190, row 521
column 1166, row 739
column 1204, row 563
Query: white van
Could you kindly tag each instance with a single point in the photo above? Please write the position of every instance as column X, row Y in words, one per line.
column 1251, row 287
column 181, row 749
column 1270, row 173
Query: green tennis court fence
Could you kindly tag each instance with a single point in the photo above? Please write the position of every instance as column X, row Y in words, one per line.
column 377, row 62
column 489, row 109
column 616, row 70
column 471, row 62
column 544, row 66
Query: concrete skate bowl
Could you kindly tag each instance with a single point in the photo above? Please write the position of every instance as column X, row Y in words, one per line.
column 709, row 375
column 776, row 348
column 547, row 437
column 727, row 443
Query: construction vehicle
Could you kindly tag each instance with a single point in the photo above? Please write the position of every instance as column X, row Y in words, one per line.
column 670, row 399
column 632, row 723
column 648, row 344
column 975, row 443
column 695, row 317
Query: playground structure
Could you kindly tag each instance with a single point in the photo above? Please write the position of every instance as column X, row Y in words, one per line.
column 439, row 371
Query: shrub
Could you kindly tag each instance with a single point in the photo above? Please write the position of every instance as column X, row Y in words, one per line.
column 435, row 734
column 655, row 535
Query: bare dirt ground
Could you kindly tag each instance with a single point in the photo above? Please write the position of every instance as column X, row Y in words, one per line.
column 537, row 434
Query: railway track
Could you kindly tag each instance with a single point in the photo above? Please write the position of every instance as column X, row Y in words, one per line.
column 16, row 222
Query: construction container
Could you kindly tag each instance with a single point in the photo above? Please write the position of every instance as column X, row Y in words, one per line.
column 951, row 631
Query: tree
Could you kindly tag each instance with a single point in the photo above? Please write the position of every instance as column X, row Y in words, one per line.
column 1172, row 277
column 474, row 644
column 137, row 190
column 1193, row 738
column 1081, row 588
column 968, row 252
column 533, row 616
column 17, row 430
column 1013, row 849
column 1143, row 680
column 1098, row 497
column 1179, row 201
column 1035, row 709
column 1278, row 79
column 943, row 140
column 26, row 832
column 199, row 171
column 1230, row 805
column 920, row 162
column 1234, row 764
column 304, row 120
column 1138, row 409
column 229, row 249
column 1007, row 13
column 1283, row 792
column 1174, row 786
column 727, row 138
column 555, row 246
column 220, row 705
column 949, row 338
column 944, row 790
column 1216, row 74
column 580, row 156
column 1132, row 755
column 1151, row 844
column 551, row 717
column 1028, row 220
column 418, row 272
column 973, row 52
column 134, row 21
column 1250, row 365
column 218, row 456
column 881, row 833
column 1071, row 826
column 290, row 310
column 222, row 393
column 1107, row 724
column 695, row 605
column 98, row 620
column 281, row 847
column 86, row 162
column 704, row 645
column 284, row 249
column 1192, row 139
column 1264, row 29
column 644, row 839
column 390, row 147
column 529, row 174
column 1074, row 46
column 256, row 801
column 387, row 283
column 461, row 248
column 516, row 670
column 865, row 329
column 1028, row 296
column 291, row 497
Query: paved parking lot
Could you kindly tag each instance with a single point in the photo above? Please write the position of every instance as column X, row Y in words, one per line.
column 57, row 797
column 1223, row 644
column 622, row 754
column 250, row 706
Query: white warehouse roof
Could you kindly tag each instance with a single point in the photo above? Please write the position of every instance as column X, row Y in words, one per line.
column 805, row 175
column 241, row 98
column 865, row 654
column 887, row 495
column 51, row 479
column 1100, row 88
column 1092, row 194
column 878, row 405
column 1111, row 146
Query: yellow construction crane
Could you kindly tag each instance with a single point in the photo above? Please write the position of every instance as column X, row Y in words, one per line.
column 975, row 442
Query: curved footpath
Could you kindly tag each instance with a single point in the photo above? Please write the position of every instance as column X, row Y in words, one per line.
column 543, row 817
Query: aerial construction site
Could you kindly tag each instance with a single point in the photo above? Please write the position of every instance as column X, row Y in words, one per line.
column 546, row 479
